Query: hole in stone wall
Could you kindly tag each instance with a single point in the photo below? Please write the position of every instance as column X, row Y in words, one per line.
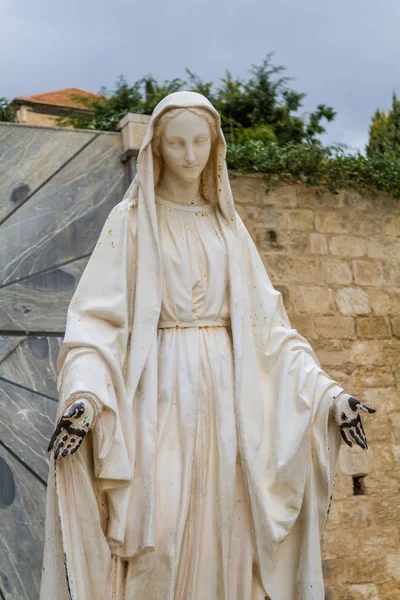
column 359, row 485
column 273, row 237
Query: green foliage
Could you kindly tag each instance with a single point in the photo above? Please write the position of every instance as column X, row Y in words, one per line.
column 384, row 131
column 261, row 108
column 312, row 164
column 7, row 111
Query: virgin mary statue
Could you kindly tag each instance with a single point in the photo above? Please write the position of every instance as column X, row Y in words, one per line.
column 195, row 449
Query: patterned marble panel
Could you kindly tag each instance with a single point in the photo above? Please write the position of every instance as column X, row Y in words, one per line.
column 33, row 364
column 40, row 303
column 29, row 155
column 62, row 221
column 22, row 512
column 8, row 343
column 26, row 425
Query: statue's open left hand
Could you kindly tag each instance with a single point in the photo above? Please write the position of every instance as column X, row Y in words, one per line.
column 71, row 428
column 346, row 412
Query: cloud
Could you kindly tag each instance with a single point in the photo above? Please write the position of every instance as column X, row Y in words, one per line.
column 344, row 54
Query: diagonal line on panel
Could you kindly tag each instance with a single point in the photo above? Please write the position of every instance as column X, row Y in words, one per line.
column 70, row 159
column 27, row 389
column 52, row 268
column 21, row 462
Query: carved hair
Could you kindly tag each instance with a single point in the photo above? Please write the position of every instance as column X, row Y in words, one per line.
column 159, row 128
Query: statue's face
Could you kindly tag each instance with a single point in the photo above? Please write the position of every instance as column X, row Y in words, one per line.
column 185, row 145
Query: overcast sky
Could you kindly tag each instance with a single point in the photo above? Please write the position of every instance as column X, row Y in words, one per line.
column 344, row 53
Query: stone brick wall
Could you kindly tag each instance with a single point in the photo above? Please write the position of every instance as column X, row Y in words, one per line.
column 336, row 260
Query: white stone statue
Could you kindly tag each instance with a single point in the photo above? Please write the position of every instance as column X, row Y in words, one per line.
column 197, row 437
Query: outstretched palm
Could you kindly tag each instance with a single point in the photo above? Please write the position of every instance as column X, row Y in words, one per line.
column 347, row 416
column 71, row 428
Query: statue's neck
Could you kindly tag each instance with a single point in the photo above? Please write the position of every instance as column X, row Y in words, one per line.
column 178, row 190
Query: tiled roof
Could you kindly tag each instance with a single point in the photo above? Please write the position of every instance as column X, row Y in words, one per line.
column 63, row 97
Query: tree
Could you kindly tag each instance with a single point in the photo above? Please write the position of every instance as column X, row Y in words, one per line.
column 7, row 111
column 384, row 131
column 261, row 108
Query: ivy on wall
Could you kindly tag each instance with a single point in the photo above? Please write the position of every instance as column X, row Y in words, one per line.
column 314, row 164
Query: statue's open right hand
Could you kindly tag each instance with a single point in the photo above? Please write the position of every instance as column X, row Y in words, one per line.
column 71, row 428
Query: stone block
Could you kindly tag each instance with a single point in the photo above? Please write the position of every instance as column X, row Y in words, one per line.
column 369, row 569
column 367, row 591
column 286, row 195
column 395, row 419
column 336, row 271
column 313, row 299
column 373, row 327
column 384, row 399
column 378, row 542
column 352, row 301
column 248, row 189
column 343, row 487
column 300, row 219
column 368, row 273
column 355, row 513
column 367, row 352
column 387, row 509
column 375, row 485
column 384, row 458
column 390, row 590
column 355, row 461
column 391, row 225
column 384, row 247
column 348, row 246
column 393, row 562
column 304, row 325
column 373, row 376
column 287, row 269
column 335, row 327
column 385, row 302
column 395, row 323
column 332, row 222
column 317, row 244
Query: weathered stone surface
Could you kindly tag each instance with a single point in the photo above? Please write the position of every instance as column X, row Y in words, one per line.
column 317, row 244
column 352, row 301
column 44, row 233
column 392, row 225
column 336, row 271
column 368, row 273
column 373, row 376
column 26, row 424
column 301, row 219
column 362, row 592
column 312, row 299
column 33, row 364
column 395, row 323
column 379, row 541
column 29, row 156
column 393, row 565
column 335, row 327
column 384, row 247
column 385, row 302
column 39, row 303
column 332, row 222
column 348, row 246
column 304, row 325
column 355, row 461
column 373, row 327
column 367, row 352
column 8, row 344
column 22, row 512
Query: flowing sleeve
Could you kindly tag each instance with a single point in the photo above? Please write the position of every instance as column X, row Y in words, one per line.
column 305, row 437
column 92, row 358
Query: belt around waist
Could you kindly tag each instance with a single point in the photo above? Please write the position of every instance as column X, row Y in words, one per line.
column 194, row 323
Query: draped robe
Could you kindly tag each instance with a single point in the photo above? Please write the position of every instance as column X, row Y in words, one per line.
column 101, row 500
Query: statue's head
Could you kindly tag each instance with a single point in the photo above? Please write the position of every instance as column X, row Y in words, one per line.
column 183, row 141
